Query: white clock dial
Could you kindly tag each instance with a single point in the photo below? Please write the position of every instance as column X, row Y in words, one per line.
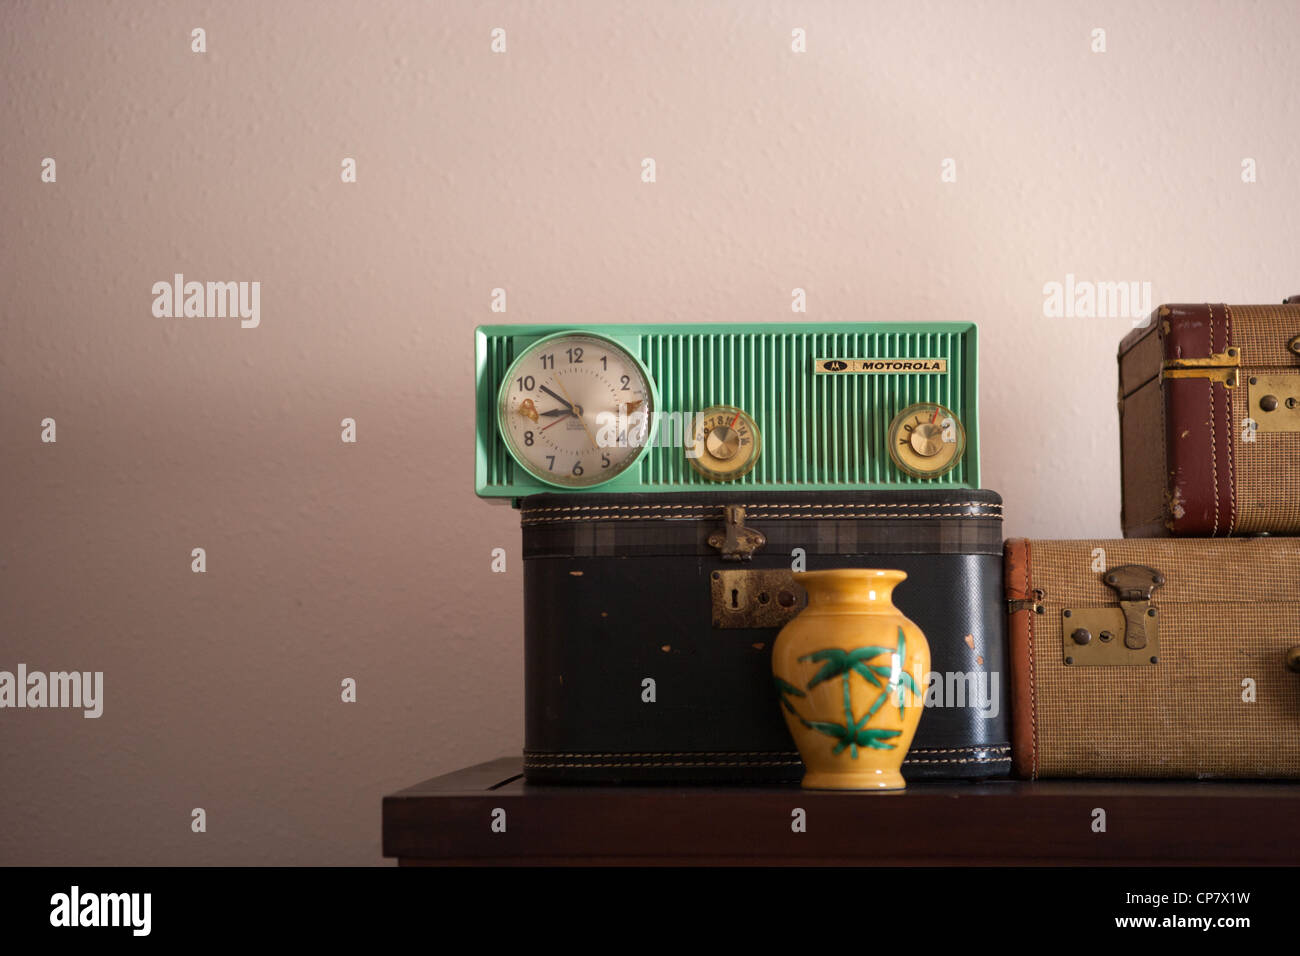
column 575, row 409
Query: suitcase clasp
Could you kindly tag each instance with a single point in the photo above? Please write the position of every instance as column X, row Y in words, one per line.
column 1128, row 635
column 735, row 541
column 1134, row 583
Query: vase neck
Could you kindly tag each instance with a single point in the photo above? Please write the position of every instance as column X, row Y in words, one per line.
column 866, row 590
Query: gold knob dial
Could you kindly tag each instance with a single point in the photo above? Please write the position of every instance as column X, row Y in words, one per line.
column 725, row 443
column 926, row 440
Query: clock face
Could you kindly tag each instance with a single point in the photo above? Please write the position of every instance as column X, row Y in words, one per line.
column 575, row 409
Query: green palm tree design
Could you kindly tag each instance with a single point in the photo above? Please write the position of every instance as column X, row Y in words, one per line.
column 783, row 688
column 840, row 663
column 902, row 678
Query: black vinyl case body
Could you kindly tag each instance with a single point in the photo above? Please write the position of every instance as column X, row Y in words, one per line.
column 649, row 623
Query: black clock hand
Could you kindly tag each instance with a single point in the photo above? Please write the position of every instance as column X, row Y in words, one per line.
column 558, row 399
column 554, row 412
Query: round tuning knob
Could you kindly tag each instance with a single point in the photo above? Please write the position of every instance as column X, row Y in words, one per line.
column 926, row 440
column 725, row 445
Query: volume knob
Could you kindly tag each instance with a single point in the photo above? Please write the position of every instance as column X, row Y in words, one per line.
column 926, row 440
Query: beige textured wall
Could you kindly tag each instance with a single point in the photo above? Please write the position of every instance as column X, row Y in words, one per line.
column 520, row 170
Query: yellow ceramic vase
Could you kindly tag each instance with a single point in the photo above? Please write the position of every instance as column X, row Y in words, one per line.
column 850, row 670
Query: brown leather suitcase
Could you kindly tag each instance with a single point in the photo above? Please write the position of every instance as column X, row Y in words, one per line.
column 1155, row 657
column 1209, row 407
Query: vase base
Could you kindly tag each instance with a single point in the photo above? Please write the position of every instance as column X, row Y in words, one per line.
column 854, row 780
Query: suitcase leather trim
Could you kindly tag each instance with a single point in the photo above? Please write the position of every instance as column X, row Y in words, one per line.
column 635, row 525
column 533, row 515
column 1199, row 416
column 1023, row 609
column 555, row 760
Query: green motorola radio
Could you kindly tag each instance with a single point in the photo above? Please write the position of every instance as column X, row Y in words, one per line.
column 816, row 406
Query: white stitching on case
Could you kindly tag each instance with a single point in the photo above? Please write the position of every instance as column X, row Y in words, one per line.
column 1214, row 453
column 660, row 753
column 668, row 763
column 1232, row 479
column 571, row 509
column 738, row 753
column 759, row 516
column 738, row 763
column 1033, row 676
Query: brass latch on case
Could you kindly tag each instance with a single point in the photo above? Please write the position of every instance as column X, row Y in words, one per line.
column 1273, row 402
column 1223, row 367
column 758, row 598
column 735, row 541
column 1032, row 603
column 1128, row 635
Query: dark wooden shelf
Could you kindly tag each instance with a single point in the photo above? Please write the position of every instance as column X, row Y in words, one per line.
column 448, row 821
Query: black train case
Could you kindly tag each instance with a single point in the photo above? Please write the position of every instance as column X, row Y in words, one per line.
column 649, row 623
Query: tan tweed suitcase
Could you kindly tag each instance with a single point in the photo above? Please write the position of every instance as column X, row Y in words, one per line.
column 1155, row 657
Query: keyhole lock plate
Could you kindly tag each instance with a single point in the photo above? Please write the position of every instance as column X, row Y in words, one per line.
column 755, row 598
column 1274, row 402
